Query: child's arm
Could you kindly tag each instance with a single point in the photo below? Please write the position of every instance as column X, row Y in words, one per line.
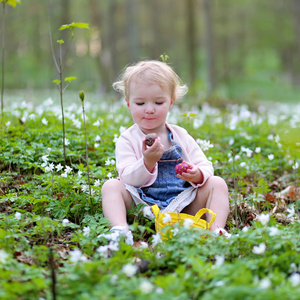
column 152, row 154
column 131, row 164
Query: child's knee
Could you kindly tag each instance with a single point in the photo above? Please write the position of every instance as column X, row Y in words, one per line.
column 218, row 182
column 110, row 185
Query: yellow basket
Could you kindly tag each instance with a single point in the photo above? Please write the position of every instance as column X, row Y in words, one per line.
column 180, row 218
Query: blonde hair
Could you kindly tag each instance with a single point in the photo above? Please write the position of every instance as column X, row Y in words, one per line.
column 151, row 71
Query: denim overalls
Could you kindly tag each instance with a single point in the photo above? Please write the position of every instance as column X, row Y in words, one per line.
column 166, row 186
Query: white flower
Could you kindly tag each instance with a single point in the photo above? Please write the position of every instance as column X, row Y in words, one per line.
column 219, row 260
column 59, row 167
column 129, row 270
column 263, row 218
column 220, row 283
column 291, row 211
column 68, row 169
column 114, row 278
column 260, row 249
column 48, row 102
column 64, row 175
column 76, row 256
column 295, row 279
column 247, row 150
column 67, row 142
column 7, row 124
column 188, row 223
column 3, row 256
column 156, row 239
column 49, row 168
column 65, row 222
column 103, row 251
column 273, row 231
column 257, row 150
column 97, row 138
column 143, row 245
column 243, row 164
column 97, row 123
column 167, row 218
column 45, row 158
column 159, row 290
column 79, row 173
column 245, row 229
column 44, row 121
column 96, row 145
column 84, row 188
column 270, row 156
column 18, row 215
column 109, row 162
column 204, row 144
column 115, row 138
column 97, row 182
column 265, row 283
column 86, row 231
column 77, row 123
column 109, row 175
column 294, row 268
column 296, row 166
column 147, row 212
column 146, row 287
column 122, row 129
column 175, row 231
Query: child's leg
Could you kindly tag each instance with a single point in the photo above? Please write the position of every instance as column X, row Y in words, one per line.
column 213, row 195
column 116, row 200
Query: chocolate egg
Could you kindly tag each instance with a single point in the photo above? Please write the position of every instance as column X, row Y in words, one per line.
column 180, row 168
column 150, row 139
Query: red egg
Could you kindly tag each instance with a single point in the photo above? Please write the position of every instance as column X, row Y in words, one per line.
column 180, row 168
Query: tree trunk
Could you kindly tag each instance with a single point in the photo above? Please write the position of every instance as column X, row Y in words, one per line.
column 191, row 37
column 209, row 48
column 103, row 64
column 132, row 30
column 295, row 54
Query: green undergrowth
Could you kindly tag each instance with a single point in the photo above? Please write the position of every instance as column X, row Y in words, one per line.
column 50, row 223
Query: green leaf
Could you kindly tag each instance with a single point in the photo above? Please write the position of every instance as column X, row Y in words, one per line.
column 74, row 25
column 60, row 41
column 56, row 81
column 70, row 78
column 12, row 3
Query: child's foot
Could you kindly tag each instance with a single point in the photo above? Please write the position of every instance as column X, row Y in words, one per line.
column 116, row 233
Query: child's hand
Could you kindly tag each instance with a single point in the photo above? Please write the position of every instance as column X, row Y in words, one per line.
column 192, row 174
column 152, row 154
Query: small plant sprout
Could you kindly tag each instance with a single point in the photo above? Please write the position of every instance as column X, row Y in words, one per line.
column 164, row 57
column 60, row 67
column 81, row 96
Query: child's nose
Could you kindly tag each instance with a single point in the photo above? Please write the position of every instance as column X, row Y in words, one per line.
column 149, row 109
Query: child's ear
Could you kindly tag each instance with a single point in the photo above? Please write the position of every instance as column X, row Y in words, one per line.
column 172, row 102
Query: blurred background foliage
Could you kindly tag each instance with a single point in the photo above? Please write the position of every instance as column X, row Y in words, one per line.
column 230, row 49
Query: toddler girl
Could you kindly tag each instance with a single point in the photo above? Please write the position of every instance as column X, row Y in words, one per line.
column 146, row 174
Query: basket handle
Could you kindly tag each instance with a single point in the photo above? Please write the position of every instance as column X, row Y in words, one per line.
column 155, row 210
column 202, row 211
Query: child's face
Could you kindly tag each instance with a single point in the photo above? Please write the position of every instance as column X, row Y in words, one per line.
column 149, row 104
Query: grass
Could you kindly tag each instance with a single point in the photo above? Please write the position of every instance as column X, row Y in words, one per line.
column 44, row 205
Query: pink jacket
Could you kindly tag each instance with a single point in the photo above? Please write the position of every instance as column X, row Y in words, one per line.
column 130, row 160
